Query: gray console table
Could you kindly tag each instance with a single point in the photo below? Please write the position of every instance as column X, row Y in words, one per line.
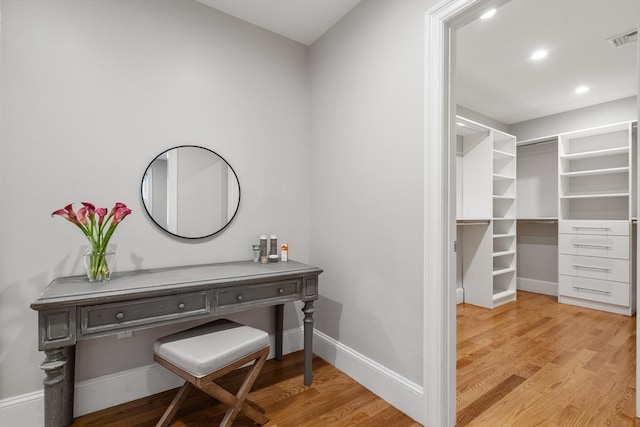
column 71, row 309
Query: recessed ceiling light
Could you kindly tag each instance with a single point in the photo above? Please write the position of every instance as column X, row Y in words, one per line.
column 582, row 89
column 539, row 54
column 488, row 14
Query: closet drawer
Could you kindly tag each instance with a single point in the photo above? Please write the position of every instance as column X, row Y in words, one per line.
column 607, row 228
column 594, row 290
column 593, row 245
column 594, row 267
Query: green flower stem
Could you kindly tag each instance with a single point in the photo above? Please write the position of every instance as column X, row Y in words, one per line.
column 98, row 269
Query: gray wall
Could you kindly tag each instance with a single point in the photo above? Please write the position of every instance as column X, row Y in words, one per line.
column 92, row 91
column 367, row 181
column 621, row 110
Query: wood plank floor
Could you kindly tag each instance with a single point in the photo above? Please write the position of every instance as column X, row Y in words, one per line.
column 535, row 362
column 530, row 363
column 334, row 399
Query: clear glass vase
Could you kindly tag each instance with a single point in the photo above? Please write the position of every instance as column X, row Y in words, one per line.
column 99, row 265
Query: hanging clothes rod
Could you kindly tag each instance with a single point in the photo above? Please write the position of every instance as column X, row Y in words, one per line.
column 536, row 142
column 473, row 222
column 537, row 221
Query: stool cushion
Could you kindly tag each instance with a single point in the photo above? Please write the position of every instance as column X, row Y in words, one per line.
column 209, row 347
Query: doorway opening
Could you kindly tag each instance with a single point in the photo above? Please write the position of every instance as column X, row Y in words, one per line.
column 440, row 227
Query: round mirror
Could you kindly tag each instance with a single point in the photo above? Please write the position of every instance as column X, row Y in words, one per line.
column 190, row 192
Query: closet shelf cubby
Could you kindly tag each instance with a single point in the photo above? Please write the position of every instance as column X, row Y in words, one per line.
column 498, row 154
column 596, row 153
column 607, row 171
column 503, row 253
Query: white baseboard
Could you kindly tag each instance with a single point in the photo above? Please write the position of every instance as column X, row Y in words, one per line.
column 537, row 286
column 24, row 410
column 104, row 392
column 459, row 295
column 400, row 392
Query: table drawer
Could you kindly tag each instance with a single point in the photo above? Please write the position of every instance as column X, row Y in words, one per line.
column 124, row 315
column 593, row 245
column 594, row 267
column 607, row 228
column 248, row 294
column 594, row 290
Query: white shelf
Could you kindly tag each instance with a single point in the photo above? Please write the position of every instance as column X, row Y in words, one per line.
column 498, row 197
column 595, row 153
column 498, row 154
column 497, row 271
column 503, row 236
column 498, row 177
column 593, row 172
column 503, row 253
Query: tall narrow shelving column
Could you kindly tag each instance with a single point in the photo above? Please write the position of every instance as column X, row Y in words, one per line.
column 595, row 212
column 486, row 163
column 504, row 218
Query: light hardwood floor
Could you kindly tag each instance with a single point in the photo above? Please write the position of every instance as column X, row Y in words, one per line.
column 539, row 363
column 334, row 399
column 530, row 363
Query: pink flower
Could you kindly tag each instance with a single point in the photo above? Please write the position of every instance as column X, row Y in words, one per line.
column 83, row 214
column 101, row 212
column 117, row 206
column 67, row 213
column 90, row 207
column 98, row 233
column 120, row 213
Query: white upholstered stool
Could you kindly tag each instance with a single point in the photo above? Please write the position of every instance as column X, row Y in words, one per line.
column 205, row 353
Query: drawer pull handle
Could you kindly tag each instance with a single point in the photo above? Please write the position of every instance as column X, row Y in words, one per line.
column 595, row 291
column 588, row 267
column 585, row 245
column 120, row 315
column 239, row 297
column 590, row 228
column 280, row 291
column 181, row 306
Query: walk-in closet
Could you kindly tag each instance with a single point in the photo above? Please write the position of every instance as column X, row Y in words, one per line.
column 554, row 215
column 546, row 181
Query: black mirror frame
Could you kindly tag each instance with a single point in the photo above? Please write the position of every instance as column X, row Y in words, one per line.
column 177, row 235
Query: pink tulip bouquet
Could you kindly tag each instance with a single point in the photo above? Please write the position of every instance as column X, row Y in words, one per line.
column 98, row 225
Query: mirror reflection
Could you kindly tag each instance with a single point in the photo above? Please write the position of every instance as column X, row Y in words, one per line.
column 190, row 192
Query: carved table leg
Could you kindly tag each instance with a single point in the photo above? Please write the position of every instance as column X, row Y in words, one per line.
column 279, row 330
column 308, row 311
column 69, row 384
column 53, row 367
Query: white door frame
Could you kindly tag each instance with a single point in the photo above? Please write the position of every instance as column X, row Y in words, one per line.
column 440, row 193
column 439, row 227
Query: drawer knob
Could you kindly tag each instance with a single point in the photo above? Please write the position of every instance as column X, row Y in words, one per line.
column 181, row 306
column 239, row 297
column 280, row 291
column 120, row 315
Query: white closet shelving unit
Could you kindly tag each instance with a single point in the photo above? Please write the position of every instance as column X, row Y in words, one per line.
column 596, row 190
column 486, row 165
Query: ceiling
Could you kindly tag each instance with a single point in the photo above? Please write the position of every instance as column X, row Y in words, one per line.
column 495, row 76
column 300, row 20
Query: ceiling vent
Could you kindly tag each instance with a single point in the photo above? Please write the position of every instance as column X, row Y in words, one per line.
column 623, row 39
